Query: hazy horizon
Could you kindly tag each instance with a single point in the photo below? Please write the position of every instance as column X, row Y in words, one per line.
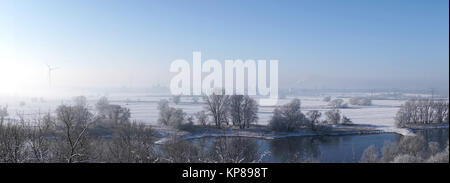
column 319, row 44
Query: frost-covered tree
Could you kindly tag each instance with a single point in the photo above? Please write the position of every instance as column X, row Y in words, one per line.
column 243, row 110
column 337, row 103
column 413, row 145
column 170, row 116
column 288, row 117
column 112, row 113
column 118, row 114
column 202, row 118
column 370, row 155
column 131, row 143
column 333, row 116
column 179, row 151
column 389, row 151
column 13, row 143
column 73, row 122
column 313, row 117
column 102, row 106
column 39, row 144
column 406, row 158
column 326, row 99
column 413, row 149
column 217, row 104
column 233, row 150
column 422, row 112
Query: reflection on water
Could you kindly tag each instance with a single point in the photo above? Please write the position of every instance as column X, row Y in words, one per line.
column 331, row 149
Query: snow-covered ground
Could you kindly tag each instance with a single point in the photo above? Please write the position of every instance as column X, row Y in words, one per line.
column 380, row 115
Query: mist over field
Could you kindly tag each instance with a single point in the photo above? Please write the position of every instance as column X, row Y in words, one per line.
column 97, row 81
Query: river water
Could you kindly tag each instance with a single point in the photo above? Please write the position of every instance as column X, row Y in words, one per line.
column 325, row 149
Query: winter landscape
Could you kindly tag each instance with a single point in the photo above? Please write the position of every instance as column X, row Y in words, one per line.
column 180, row 82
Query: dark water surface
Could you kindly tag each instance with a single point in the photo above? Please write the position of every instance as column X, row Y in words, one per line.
column 326, row 149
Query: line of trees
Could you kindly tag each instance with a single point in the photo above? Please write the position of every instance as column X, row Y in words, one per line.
column 289, row 117
column 422, row 112
column 240, row 110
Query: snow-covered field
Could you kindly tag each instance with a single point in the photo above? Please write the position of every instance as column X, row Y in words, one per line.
column 380, row 115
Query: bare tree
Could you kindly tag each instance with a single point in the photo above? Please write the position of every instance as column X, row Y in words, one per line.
column 170, row 116
column 74, row 122
column 39, row 139
column 236, row 109
column 233, row 150
column 314, row 116
column 389, row 151
column 422, row 112
column 112, row 113
column 288, row 117
column 217, row 105
column 102, row 106
column 13, row 143
column 202, row 118
column 370, row 155
column 243, row 110
column 333, row 116
column 118, row 114
column 179, row 151
column 250, row 111
column 131, row 143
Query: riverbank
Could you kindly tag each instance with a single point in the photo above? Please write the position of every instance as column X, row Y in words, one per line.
column 260, row 132
column 263, row 132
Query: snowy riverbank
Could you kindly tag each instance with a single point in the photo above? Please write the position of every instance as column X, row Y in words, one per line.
column 262, row 132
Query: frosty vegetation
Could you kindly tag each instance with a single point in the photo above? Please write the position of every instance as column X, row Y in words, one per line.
column 337, row 103
column 240, row 111
column 77, row 134
column 289, row 118
column 362, row 101
column 410, row 149
column 422, row 112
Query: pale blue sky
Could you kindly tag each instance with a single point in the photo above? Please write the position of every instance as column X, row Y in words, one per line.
column 323, row 44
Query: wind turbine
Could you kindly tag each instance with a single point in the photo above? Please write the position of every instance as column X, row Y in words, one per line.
column 50, row 69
